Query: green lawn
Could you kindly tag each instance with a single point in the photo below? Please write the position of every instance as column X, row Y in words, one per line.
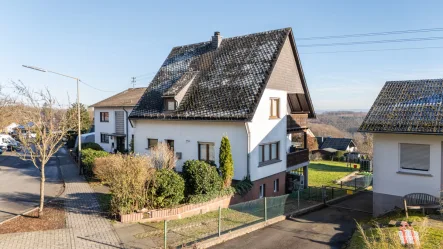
column 326, row 172
column 197, row 227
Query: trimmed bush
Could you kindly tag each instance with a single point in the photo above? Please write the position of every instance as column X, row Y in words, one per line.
column 88, row 157
column 201, row 178
column 167, row 189
column 226, row 162
column 244, row 186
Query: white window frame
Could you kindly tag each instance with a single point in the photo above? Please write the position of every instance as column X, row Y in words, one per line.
column 276, row 187
column 262, row 191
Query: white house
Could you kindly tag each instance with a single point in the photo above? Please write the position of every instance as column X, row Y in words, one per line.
column 113, row 130
column 407, row 122
column 250, row 88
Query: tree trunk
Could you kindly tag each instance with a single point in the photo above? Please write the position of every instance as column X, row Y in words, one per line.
column 42, row 191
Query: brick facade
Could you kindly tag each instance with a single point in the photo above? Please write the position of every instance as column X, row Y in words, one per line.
column 254, row 193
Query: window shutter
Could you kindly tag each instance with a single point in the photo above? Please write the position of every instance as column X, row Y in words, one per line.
column 415, row 156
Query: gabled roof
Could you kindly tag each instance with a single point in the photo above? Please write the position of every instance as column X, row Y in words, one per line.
column 336, row 143
column 413, row 106
column 127, row 98
column 227, row 82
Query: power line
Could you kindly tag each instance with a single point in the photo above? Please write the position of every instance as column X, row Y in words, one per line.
column 145, row 74
column 370, row 50
column 410, row 31
column 372, row 42
column 98, row 89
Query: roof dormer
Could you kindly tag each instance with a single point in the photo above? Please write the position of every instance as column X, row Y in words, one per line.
column 175, row 94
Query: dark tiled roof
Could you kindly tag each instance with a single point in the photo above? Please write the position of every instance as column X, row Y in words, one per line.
column 126, row 98
column 407, row 107
column 336, row 143
column 229, row 80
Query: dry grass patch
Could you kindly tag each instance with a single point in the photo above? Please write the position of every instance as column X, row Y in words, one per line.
column 53, row 218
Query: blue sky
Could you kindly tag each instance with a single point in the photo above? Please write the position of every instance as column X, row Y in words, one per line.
column 105, row 43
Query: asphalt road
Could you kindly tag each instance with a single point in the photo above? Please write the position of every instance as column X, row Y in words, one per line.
column 329, row 227
column 20, row 184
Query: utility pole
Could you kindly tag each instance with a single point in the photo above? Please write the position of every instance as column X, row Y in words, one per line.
column 133, row 82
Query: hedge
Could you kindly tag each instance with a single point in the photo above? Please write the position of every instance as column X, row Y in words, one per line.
column 88, row 157
column 167, row 189
column 201, row 178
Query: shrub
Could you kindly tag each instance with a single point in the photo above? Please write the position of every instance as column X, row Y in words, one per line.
column 200, row 178
column 167, row 189
column 127, row 177
column 244, row 186
column 226, row 162
column 93, row 146
column 131, row 146
column 162, row 157
column 88, row 157
column 340, row 154
column 207, row 197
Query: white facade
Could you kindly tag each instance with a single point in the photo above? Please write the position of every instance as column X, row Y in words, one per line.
column 187, row 135
column 110, row 127
column 265, row 130
column 390, row 179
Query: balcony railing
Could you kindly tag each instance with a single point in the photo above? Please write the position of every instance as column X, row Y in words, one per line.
column 297, row 157
column 297, row 122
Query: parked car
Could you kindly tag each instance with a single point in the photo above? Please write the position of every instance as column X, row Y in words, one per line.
column 7, row 143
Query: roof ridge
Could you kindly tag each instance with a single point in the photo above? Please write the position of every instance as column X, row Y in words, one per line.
column 413, row 81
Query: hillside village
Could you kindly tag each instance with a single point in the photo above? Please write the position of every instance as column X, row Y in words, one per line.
column 224, row 147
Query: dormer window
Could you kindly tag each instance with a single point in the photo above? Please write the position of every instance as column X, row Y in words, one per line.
column 170, row 104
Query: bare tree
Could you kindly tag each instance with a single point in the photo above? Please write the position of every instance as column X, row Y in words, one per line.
column 7, row 105
column 43, row 117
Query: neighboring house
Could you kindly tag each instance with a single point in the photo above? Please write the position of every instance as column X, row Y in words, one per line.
column 113, row 131
column 407, row 122
column 250, row 88
column 343, row 144
column 10, row 128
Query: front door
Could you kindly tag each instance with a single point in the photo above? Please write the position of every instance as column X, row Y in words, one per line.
column 121, row 144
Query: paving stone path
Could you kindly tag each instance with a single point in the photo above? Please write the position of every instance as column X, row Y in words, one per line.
column 85, row 228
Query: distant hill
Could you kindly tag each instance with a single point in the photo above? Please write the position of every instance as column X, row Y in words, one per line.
column 346, row 121
column 342, row 124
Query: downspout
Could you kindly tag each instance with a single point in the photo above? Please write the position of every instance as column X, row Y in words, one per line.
column 127, row 129
column 248, row 132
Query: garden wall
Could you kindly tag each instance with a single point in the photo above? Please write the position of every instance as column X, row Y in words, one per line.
column 178, row 212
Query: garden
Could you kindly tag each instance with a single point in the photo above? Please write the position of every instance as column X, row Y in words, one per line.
column 139, row 183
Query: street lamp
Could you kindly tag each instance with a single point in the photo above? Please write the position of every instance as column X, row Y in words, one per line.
column 78, row 110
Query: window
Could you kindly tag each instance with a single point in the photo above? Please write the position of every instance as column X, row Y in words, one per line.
column 104, row 116
column 276, row 183
column 206, row 151
column 275, row 108
column 152, row 143
column 268, row 152
column 262, row 191
column 415, row 156
column 170, row 143
column 104, row 138
column 170, row 104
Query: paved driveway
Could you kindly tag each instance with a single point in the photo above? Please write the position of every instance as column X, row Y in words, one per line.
column 20, row 184
column 330, row 227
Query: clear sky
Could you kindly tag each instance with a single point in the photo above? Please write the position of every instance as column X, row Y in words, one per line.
column 105, row 43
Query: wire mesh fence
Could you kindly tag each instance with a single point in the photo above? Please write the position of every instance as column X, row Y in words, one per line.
column 188, row 231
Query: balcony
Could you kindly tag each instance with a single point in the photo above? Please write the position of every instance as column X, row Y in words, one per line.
column 297, row 157
column 296, row 122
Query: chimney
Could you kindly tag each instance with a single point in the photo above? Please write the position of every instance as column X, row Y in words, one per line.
column 216, row 39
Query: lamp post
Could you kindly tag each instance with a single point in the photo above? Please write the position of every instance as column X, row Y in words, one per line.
column 78, row 110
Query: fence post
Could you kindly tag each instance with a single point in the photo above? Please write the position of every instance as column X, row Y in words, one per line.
column 298, row 198
column 166, row 233
column 355, row 183
column 266, row 210
column 219, row 221
column 341, row 184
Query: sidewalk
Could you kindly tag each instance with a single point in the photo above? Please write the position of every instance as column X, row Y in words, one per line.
column 85, row 228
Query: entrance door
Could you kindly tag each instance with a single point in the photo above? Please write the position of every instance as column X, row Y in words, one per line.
column 121, row 144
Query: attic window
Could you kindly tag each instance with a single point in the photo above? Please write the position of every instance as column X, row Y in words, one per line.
column 170, row 104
